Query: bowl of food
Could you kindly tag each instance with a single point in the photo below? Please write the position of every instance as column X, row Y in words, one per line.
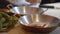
column 39, row 23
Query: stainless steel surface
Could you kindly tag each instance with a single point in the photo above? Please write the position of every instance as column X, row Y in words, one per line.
column 24, row 10
column 40, row 20
column 25, row 20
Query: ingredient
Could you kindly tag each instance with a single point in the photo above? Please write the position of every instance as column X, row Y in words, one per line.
column 6, row 21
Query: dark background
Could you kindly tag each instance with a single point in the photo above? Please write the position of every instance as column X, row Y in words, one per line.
column 49, row 1
column 4, row 3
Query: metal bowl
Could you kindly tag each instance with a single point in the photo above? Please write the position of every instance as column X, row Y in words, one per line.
column 41, row 22
column 24, row 9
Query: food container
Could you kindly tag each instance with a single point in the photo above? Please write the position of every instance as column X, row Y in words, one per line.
column 23, row 10
column 39, row 23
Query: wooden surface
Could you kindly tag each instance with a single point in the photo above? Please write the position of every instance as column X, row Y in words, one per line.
column 18, row 30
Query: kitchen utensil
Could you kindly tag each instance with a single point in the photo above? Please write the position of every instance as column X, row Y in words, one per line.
column 39, row 22
column 23, row 9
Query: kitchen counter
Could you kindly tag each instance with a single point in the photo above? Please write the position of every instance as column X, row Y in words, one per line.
column 18, row 30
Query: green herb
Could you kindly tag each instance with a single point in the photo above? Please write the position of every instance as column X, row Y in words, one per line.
column 6, row 20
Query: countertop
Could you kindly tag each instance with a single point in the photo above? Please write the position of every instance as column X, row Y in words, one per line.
column 18, row 30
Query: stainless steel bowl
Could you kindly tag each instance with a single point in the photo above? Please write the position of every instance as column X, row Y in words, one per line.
column 40, row 19
column 24, row 9
column 39, row 22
